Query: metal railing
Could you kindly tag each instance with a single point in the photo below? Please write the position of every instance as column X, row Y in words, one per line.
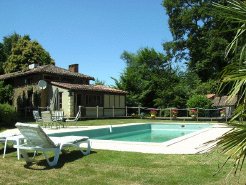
column 176, row 113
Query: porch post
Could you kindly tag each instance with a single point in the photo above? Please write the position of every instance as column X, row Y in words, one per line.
column 71, row 105
column 113, row 111
column 97, row 112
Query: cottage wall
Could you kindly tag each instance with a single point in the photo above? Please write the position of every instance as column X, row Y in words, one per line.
column 67, row 100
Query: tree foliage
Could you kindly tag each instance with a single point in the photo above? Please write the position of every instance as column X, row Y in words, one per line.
column 99, row 82
column 151, row 81
column 17, row 52
column 199, row 38
column 199, row 101
column 148, row 78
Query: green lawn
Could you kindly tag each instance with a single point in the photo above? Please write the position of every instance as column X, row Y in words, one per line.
column 112, row 167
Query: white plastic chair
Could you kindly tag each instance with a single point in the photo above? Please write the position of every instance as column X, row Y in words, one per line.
column 15, row 138
column 58, row 116
column 36, row 116
column 76, row 118
column 38, row 140
column 47, row 119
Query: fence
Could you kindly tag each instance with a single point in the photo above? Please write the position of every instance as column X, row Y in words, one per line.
column 145, row 112
column 175, row 113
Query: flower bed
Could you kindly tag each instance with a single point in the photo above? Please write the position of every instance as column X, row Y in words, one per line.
column 174, row 112
column 153, row 113
column 193, row 113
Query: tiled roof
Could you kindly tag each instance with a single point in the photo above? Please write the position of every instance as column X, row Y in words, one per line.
column 223, row 101
column 46, row 69
column 98, row 88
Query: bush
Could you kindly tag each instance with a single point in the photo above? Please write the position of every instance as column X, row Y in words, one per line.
column 6, row 93
column 199, row 101
column 8, row 115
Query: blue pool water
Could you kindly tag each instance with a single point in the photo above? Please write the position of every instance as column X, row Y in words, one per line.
column 139, row 133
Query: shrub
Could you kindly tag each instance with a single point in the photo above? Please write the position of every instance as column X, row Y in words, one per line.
column 199, row 101
column 8, row 115
column 6, row 93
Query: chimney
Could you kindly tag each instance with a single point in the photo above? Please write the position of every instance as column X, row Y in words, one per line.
column 32, row 66
column 73, row 68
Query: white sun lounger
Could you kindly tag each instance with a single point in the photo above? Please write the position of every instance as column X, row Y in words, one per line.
column 76, row 118
column 38, row 140
column 12, row 136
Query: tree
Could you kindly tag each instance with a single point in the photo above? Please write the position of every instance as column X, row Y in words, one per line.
column 233, row 142
column 198, row 37
column 2, row 58
column 148, row 79
column 24, row 53
column 6, row 47
column 99, row 82
column 17, row 52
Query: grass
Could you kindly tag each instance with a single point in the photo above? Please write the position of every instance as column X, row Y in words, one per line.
column 112, row 167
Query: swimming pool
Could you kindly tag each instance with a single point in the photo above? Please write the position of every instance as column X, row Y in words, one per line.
column 150, row 132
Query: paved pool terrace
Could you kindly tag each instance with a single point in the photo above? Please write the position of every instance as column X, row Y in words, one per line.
column 188, row 144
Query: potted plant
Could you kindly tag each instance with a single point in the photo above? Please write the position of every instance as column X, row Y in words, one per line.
column 153, row 113
column 174, row 112
column 193, row 113
column 222, row 112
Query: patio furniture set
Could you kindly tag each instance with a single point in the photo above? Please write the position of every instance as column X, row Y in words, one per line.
column 33, row 138
column 55, row 118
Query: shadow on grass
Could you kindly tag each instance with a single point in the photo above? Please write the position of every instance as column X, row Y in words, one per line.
column 8, row 150
column 65, row 157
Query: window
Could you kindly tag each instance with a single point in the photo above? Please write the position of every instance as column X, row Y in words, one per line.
column 79, row 99
column 93, row 100
column 60, row 100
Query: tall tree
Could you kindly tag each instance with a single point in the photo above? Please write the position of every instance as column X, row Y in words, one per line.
column 2, row 58
column 17, row 52
column 198, row 37
column 99, row 82
column 6, row 47
column 148, row 78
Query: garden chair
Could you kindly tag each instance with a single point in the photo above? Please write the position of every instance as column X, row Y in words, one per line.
column 76, row 118
column 48, row 120
column 38, row 140
column 58, row 117
column 15, row 138
column 36, row 116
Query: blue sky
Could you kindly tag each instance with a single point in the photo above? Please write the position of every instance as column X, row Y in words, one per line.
column 92, row 33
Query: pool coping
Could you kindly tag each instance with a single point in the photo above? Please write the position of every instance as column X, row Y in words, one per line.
column 168, row 147
column 192, row 143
